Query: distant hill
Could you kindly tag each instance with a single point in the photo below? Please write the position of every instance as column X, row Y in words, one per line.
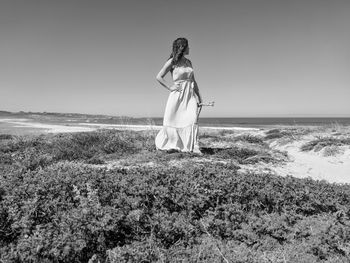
column 60, row 118
column 58, row 114
column 4, row 112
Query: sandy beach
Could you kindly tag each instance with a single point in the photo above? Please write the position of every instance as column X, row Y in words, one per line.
column 81, row 127
column 42, row 127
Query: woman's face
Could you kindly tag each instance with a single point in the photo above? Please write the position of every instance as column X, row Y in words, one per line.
column 187, row 51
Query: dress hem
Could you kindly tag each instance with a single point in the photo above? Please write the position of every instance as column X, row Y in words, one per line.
column 182, row 139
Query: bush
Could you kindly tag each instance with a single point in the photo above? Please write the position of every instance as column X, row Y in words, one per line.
column 6, row 136
column 250, row 139
column 319, row 143
column 274, row 134
column 56, row 210
column 69, row 212
column 245, row 155
column 91, row 147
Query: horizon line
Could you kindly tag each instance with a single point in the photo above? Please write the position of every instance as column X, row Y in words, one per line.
column 144, row 117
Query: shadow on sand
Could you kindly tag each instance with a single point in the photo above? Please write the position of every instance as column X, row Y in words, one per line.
column 204, row 150
column 212, row 150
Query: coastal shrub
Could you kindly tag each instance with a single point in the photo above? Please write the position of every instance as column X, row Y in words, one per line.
column 21, row 143
column 70, row 213
column 32, row 152
column 288, row 133
column 144, row 140
column 224, row 132
column 31, row 159
column 6, row 136
column 272, row 131
column 274, row 134
column 215, row 138
column 25, row 153
column 237, row 153
column 319, row 143
column 84, row 145
column 245, row 155
column 332, row 150
column 210, row 136
column 5, row 159
column 250, row 138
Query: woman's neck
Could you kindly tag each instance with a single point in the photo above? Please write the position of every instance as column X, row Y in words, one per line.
column 183, row 59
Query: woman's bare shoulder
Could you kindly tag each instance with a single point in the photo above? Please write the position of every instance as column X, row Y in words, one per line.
column 189, row 61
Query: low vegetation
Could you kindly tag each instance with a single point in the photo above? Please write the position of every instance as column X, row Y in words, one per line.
column 60, row 203
column 288, row 133
column 322, row 142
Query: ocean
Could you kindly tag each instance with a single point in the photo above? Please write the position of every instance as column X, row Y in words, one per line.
column 259, row 122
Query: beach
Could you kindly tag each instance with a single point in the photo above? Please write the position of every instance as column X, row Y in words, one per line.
column 81, row 126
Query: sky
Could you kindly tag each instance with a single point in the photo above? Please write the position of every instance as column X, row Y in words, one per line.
column 254, row 58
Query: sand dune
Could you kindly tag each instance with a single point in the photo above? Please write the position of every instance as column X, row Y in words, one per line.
column 335, row 169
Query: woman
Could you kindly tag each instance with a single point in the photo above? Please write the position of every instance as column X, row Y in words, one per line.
column 180, row 127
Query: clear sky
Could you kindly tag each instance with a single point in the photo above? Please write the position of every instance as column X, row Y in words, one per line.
column 252, row 57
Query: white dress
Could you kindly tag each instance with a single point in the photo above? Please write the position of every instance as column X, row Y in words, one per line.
column 180, row 127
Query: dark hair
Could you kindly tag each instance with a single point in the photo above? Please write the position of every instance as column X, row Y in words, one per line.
column 179, row 46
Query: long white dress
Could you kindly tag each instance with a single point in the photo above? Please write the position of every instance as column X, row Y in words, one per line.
column 180, row 123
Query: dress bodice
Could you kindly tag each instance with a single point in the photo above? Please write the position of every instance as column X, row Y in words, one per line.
column 183, row 71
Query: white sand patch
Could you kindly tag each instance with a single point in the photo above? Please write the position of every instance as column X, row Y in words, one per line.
column 56, row 128
column 50, row 128
column 334, row 169
column 13, row 120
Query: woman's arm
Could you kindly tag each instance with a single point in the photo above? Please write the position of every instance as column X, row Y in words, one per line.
column 196, row 91
column 160, row 76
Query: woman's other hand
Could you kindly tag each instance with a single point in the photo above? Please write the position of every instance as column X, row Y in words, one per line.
column 211, row 103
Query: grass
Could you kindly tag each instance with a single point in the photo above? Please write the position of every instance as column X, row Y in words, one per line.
column 287, row 133
column 6, row 136
column 332, row 150
column 250, row 139
column 322, row 142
